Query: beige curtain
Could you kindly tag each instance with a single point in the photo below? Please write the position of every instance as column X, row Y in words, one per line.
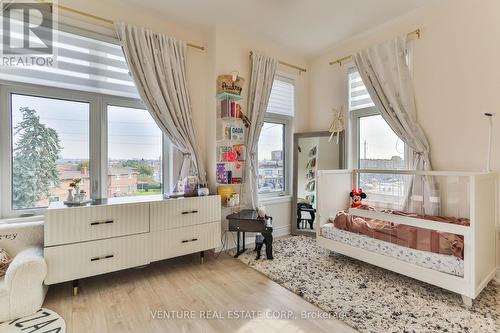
column 387, row 78
column 158, row 66
column 261, row 82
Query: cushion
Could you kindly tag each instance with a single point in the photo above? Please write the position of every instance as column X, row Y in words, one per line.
column 5, row 261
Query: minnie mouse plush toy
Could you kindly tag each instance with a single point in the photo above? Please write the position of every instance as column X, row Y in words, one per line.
column 356, row 197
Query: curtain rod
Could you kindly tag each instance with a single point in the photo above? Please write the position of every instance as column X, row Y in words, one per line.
column 102, row 19
column 300, row 69
column 339, row 61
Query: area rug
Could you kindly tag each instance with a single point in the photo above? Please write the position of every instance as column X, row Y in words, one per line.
column 372, row 299
column 42, row 321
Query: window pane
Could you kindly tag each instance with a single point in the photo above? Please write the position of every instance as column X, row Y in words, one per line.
column 271, row 175
column 134, row 153
column 380, row 148
column 359, row 97
column 50, row 148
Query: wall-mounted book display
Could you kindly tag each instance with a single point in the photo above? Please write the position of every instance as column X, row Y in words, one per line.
column 230, row 148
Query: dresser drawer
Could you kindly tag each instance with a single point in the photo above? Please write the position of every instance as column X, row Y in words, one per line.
column 177, row 242
column 78, row 224
column 175, row 213
column 75, row 261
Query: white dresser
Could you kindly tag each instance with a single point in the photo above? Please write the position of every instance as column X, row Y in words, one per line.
column 117, row 233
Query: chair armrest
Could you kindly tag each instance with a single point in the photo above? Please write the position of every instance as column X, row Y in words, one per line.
column 27, row 268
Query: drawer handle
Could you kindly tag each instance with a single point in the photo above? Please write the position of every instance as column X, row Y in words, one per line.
column 190, row 240
column 102, row 222
column 189, row 212
column 102, row 258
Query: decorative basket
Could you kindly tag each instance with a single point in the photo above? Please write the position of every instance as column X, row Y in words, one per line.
column 225, row 84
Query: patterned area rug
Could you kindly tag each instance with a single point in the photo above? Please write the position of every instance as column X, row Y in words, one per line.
column 42, row 321
column 372, row 299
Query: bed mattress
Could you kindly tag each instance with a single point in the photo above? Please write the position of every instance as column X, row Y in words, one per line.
column 440, row 262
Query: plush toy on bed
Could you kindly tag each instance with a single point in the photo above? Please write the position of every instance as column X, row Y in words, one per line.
column 356, row 197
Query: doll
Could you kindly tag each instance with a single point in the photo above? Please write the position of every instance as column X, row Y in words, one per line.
column 356, row 197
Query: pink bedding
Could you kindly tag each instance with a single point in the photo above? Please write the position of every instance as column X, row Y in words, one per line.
column 404, row 235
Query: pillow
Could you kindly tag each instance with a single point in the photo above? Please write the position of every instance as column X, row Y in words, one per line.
column 5, row 261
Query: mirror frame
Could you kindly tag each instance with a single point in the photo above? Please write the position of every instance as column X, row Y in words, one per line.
column 342, row 159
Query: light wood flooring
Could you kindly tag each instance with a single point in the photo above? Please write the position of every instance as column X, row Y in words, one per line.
column 128, row 301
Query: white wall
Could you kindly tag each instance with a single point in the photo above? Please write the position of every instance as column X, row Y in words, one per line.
column 456, row 76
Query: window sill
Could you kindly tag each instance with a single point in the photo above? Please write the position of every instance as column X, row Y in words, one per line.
column 275, row 199
column 22, row 219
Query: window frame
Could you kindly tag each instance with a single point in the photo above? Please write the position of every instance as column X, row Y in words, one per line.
column 97, row 139
column 287, row 121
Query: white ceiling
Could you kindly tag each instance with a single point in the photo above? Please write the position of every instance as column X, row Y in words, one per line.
column 308, row 26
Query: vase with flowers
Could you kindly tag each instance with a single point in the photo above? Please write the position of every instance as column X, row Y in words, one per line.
column 75, row 188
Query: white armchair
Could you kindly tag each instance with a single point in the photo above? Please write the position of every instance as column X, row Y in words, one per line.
column 22, row 291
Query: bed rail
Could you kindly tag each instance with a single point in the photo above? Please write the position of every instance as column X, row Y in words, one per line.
column 412, row 221
column 421, row 173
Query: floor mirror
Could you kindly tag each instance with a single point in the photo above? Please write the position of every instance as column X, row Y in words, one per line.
column 312, row 151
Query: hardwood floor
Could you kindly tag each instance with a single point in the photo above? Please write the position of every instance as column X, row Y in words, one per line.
column 138, row 300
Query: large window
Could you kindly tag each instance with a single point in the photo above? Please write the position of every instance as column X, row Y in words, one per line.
column 50, row 148
column 134, row 153
column 374, row 145
column 272, row 152
column 81, row 119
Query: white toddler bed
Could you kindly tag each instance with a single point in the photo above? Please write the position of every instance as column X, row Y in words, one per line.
column 467, row 195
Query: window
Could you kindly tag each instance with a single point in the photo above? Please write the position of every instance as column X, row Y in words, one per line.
column 134, row 151
column 271, row 163
column 82, row 119
column 272, row 152
column 379, row 146
column 50, row 148
column 374, row 145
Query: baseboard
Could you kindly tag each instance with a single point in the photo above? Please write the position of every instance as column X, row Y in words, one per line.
column 497, row 276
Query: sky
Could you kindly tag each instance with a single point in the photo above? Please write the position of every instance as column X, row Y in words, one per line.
column 381, row 141
column 271, row 139
column 132, row 133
